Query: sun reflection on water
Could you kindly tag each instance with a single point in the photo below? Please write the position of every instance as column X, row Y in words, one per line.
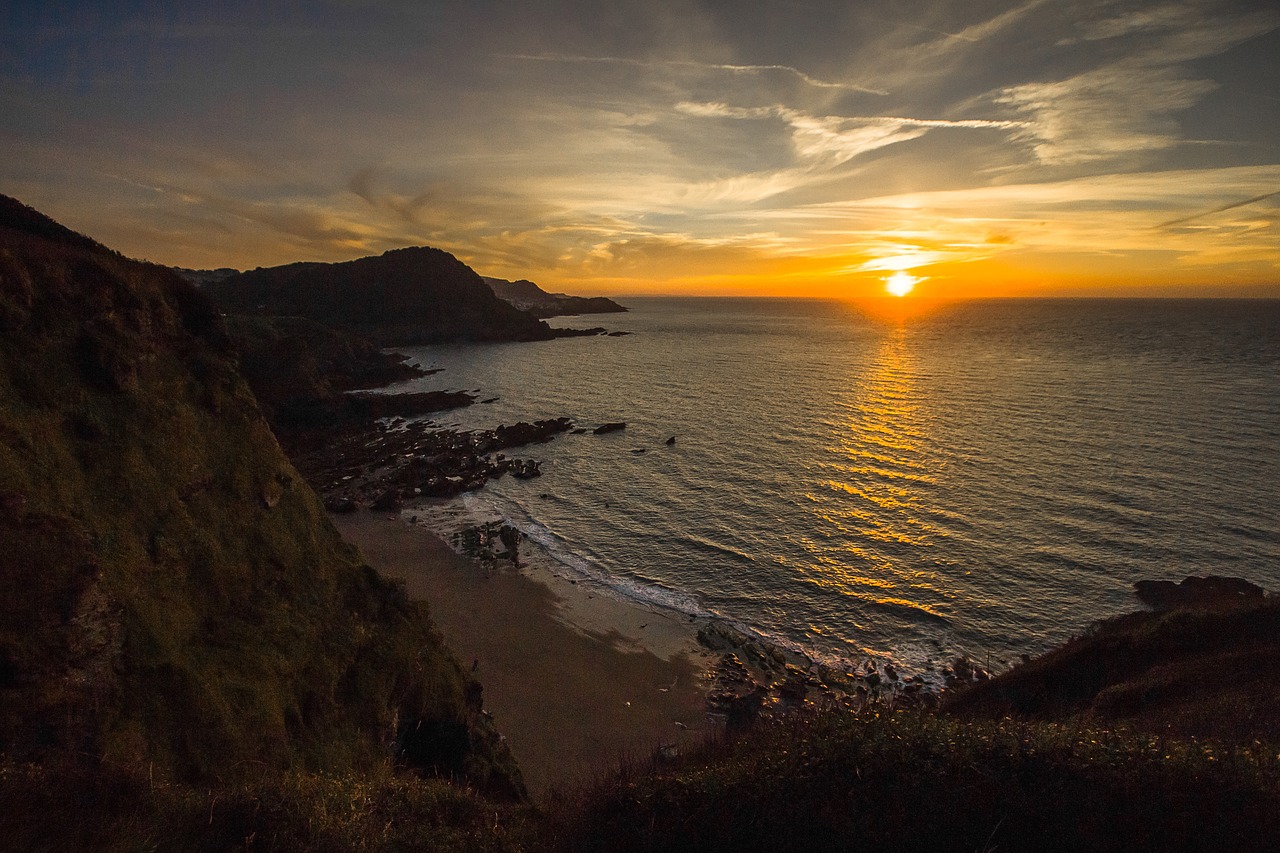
column 875, row 499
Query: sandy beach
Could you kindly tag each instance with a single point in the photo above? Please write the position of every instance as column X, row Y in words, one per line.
column 576, row 679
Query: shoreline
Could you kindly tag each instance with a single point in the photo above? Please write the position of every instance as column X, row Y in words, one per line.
column 577, row 680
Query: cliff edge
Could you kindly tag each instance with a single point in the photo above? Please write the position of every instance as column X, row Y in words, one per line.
column 173, row 596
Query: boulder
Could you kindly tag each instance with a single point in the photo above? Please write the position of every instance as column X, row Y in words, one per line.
column 1196, row 591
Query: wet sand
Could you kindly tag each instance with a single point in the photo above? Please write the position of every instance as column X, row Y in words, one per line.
column 576, row 679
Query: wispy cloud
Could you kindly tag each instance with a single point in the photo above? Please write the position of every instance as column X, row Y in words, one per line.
column 820, row 144
column 687, row 65
column 1123, row 109
column 1128, row 107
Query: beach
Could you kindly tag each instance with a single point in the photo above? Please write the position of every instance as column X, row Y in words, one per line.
column 576, row 679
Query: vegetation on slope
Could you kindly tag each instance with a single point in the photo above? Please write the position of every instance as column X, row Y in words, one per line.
column 916, row 781
column 1208, row 670
column 173, row 596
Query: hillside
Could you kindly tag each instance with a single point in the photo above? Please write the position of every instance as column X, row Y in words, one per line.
column 400, row 298
column 1205, row 667
column 527, row 296
column 174, row 601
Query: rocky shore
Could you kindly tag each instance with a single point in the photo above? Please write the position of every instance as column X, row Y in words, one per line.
column 383, row 459
column 382, row 464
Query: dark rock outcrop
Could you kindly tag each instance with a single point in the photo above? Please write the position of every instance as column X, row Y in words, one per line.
column 1193, row 591
column 381, row 468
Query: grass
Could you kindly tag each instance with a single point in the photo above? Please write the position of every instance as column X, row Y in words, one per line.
column 375, row 810
column 1210, row 671
column 920, row 781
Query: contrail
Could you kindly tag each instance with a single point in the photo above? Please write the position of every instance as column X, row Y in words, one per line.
column 1204, row 213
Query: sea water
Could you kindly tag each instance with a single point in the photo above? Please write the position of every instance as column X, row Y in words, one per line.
column 986, row 478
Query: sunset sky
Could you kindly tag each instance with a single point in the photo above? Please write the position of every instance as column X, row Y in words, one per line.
column 796, row 147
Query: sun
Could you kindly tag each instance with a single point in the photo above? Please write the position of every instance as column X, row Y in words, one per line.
column 900, row 283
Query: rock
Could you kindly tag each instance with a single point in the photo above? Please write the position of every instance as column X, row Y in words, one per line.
column 609, row 427
column 1194, row 591
column 525, row 469
column 579, row 333
column 671, row 441
column 525, row 433
column 510, row 538
column 341, row 505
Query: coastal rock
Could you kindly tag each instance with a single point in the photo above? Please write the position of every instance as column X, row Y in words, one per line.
column 1194, row 591
column 524, row 469
column 610, row 427
column 529, row 433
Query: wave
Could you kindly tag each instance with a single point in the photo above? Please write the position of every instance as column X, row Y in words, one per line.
column 558, row 556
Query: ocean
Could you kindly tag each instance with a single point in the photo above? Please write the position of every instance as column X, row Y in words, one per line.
column 986, row 478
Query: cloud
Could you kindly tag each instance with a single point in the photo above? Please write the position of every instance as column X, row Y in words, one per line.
column 1119, row 110
column 1136, row 21
column 1127, row 107
column 687, row 65
column 1111, row 216
column 820, row 144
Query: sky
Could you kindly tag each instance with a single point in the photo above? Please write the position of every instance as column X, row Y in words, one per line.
column 745, row 147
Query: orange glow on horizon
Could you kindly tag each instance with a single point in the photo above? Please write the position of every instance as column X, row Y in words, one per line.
column 845, row 277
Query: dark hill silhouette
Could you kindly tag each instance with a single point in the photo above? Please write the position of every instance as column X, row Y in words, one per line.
column 18, row 217
column 527, row 296
column 403, row 297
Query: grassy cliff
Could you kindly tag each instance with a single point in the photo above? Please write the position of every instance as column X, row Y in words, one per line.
column 173, row 600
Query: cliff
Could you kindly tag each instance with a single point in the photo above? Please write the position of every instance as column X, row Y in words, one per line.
column 173, row 599
column 400, row 298
column 527, row 296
